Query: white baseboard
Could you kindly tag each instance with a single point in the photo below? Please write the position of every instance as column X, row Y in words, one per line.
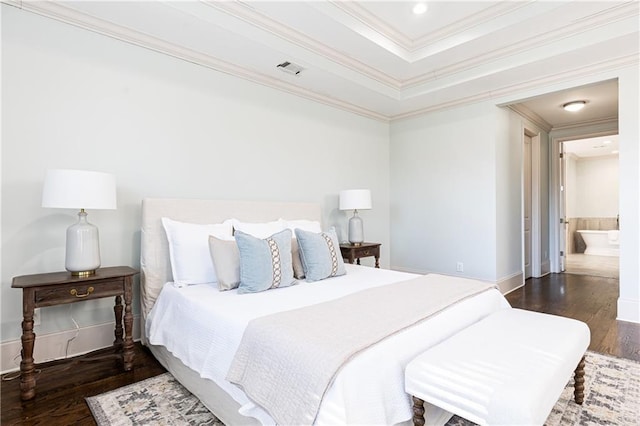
column 506, row 285
column 409, row 270
column 49, row 347
column 628, row 310
column 510, row 283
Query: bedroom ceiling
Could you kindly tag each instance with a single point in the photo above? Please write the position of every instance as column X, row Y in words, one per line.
column 378, row 59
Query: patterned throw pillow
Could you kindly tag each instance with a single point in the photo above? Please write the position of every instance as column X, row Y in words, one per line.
column 320, row 254
column 264, row 263
column 306, row 225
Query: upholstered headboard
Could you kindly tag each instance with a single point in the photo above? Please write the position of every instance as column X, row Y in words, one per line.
column 154, row 256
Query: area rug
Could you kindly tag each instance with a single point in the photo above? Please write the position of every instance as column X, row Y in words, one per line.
column 612, row 397
column 160, row 400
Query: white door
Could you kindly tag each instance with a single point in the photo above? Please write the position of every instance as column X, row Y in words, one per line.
column 527, row 206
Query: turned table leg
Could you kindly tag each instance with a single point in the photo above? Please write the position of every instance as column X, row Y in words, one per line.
column 127, row 350
column 27, row 366
column 117, row 309
column 418, row 411
column 578, row 387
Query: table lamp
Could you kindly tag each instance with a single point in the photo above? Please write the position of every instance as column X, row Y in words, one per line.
column 355, row 199
column 80, row 189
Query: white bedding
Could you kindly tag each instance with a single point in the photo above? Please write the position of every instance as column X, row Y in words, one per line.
column 203, row 327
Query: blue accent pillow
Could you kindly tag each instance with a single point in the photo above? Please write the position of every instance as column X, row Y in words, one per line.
column 264, row 263
column 320, row 254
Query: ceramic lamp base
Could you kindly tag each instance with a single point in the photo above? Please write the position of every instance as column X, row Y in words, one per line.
column 83, row 247
column 356, row 232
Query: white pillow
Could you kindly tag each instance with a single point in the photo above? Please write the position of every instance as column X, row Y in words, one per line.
column 304, row 224
column 259, row 230
column 189, row 250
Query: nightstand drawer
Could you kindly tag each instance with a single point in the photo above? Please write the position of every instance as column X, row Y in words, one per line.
column 351, row 252
column 365, row 252
column 78, row 291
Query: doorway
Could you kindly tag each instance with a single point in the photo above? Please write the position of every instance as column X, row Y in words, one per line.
column 590, row 176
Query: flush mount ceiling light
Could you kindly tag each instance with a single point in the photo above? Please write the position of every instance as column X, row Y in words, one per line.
column 419, row 8
column 574, row 106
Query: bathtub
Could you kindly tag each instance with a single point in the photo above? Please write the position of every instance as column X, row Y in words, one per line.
column 601, row 243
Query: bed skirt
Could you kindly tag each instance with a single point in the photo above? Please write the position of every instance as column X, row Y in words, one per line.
column 212, row 396
column 226, row 408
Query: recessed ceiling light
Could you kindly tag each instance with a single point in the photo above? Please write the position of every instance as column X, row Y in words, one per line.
column 574, row 106
column 419, row 8
column 606, row 142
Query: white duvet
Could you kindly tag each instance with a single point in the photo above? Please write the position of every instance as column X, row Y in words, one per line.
column 203, row 327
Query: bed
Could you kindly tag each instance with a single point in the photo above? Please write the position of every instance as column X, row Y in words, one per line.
column 368, row 389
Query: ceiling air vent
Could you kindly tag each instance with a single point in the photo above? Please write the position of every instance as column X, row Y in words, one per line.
column 290, row 68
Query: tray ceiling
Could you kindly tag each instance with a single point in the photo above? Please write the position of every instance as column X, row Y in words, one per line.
column 378, row 59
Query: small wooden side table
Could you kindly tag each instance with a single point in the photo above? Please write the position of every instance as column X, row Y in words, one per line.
column 351, row 252
column 59, row 288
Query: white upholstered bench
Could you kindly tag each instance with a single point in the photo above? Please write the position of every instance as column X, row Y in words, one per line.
column 510, row 368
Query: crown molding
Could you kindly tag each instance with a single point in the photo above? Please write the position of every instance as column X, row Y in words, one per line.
column 613, row 14
column 484, row 96
column 376, row 24
column 514, row 89
column 410, row 45
column 576, row 73
column 482, row 17
column 525, row 112
column 251, row 16
column 70, row 16
column 612, row 121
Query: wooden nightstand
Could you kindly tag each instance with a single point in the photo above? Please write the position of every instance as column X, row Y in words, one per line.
column 352, row 252
column 59, row 288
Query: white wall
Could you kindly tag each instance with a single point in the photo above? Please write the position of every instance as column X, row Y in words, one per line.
column 455, row 188
column 443, row 202
column 165, row 128
column 508, row 132
column 629, row 111
column 595, row 190
column 456, row 193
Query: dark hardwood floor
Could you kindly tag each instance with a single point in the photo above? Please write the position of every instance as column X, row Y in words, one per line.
column 590, row 299
column 63, row 385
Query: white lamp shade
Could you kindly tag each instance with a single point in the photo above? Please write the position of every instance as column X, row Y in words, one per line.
column 355, row 199
column 79, row 189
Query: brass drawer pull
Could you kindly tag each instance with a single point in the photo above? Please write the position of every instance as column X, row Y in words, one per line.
column 75, row 293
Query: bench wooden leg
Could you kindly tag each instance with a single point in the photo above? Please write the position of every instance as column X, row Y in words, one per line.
column 578, row 386
column 418, row 411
